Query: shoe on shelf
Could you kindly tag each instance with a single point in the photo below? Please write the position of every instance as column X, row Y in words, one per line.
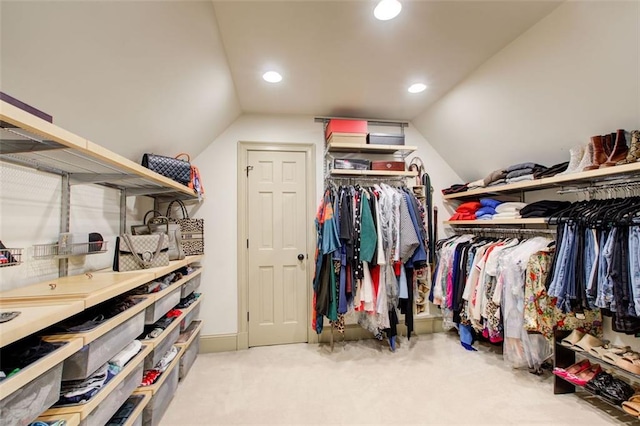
column 634, row 149
column 587, row 342
column 632, row 408
column 587, row 158
column 585, row 376
column 572, row 338
column 575, row 156
column 617, row 392
column 599, row 383
column 630, row 361
column 600, row 154
column 573, row 369
column 619, row 152
column 609, row 353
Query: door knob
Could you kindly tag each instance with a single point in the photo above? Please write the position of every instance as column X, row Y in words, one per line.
column 301, row 257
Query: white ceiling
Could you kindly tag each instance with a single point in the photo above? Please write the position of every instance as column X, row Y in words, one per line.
column 338, row 60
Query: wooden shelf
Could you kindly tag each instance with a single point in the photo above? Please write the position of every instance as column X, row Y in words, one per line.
column 174, row 265
column 146, row 397
column 198, row 327
column 587, row 177
column 72, row 419
column 92, row 291
column 32, row 142
column 34, row 317
column 338, row 172
column 154, row 387
column 38, row 368
column 158, row 340
column 369, row 148
column 107, row 326
column 85, row 409
column 524, row 221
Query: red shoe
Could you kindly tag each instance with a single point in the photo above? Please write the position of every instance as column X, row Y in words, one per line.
column 573, row 369
column 584, row 376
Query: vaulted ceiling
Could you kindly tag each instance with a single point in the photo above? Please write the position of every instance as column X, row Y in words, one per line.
column 337, row 59
column 174, row 75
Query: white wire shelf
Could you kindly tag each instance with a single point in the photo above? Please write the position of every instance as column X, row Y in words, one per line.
column 59, row 251
column 10, row 257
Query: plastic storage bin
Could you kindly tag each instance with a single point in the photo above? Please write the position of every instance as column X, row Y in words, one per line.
column 160, row 307
column 190, row 286
column 88, row 359
column 189, row 357
column 25, row 404
column 107, row 408
column 156, row 408
column 188, row 318
column 162, row 348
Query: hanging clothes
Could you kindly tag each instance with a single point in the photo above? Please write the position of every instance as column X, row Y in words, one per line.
column 370, row 242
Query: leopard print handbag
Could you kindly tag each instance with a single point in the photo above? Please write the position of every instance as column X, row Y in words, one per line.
column 192, row 230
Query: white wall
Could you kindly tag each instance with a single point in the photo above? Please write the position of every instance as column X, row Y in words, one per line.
column 132, row 76
column 30, row 214
column 573, row 75
column 218, row 165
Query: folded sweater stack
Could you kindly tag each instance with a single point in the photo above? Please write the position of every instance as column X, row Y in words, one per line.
column 488, row 209
column 466, row 211
column 544, row 208
column 523, row 171
column 509, row 211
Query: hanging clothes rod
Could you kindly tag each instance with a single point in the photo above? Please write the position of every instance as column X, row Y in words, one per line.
column 625, row 184
column 358, row 179
column 502, row 231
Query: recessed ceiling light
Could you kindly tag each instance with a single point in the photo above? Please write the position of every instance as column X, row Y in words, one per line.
column 272, row 77
column 387, row 9
column 417, row 88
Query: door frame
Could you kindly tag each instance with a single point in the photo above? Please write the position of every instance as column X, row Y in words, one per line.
column 243, row 229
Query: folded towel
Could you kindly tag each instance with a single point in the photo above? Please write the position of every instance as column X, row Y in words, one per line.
column 505, row 207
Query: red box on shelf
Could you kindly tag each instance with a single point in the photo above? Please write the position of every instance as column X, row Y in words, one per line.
column 339, row 125
column 396, row 166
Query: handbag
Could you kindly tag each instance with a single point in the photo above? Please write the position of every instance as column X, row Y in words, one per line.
column 161, row 225
column 135, row 252
column 192, row 230
column 173, row 168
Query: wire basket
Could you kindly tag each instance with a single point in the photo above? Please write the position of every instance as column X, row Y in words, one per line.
column 56, row 250
column 10, row 256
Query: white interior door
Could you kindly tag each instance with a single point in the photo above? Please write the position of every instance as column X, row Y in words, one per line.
column 277, row 221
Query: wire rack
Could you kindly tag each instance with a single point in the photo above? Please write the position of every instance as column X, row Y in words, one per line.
column 10, row 257
column 56, row 250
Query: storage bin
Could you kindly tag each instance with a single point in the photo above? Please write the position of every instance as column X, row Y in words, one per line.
column 190, row 286
column 397, row 166
column 132, row 416
column 24, row 405
column 157, row 352
column 351, row 164
column 107, row 408
column 160, row 307
column 345, row 126
column 385, row 139
column 190, row 316
column 88, row 359
column 189, row 357
column 156, row 408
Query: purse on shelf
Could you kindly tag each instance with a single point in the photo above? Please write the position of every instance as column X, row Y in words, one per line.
column 136, row 252
column 160, row 225
column 192, row 230
column 172, row 167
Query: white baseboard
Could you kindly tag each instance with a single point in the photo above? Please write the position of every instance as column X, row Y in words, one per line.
column 234, row 342
column 218, row 343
